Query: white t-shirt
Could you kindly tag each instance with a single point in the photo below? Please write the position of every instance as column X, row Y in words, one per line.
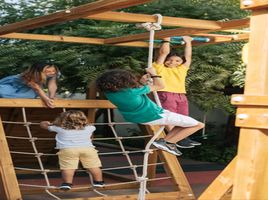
column 72, row 138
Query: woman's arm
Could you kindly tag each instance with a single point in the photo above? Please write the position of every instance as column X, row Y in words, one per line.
column 188, row 50
column 48, row 102
column 52, row 88
column 163, row 51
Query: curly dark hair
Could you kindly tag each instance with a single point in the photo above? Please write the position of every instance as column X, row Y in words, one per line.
column 115, row 80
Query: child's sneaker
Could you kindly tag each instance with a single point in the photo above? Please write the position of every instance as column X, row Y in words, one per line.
column 66, row 186
column 98, row 183
column 185, row 143
column 193, row 142
column 169, row 147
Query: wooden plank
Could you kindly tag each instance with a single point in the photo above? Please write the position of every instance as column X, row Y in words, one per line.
column 250, row 181
column 98, row 41
column 68, row 39
column 73, row 13
column 252, row 117
column 150, row 196
column 260, row 100
column 221, row 185
column 236, row 23
column 59, row 103
column 257, row 70
column 178, row 32
column 166, row 21
column 158, row 35
column 254, row 4
column 9, row 188
column 53, row 38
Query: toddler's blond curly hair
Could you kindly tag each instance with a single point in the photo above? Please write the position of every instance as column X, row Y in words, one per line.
column 71, row 119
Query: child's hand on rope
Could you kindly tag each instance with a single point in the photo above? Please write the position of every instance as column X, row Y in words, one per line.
column 151, row 71
column 145, row 79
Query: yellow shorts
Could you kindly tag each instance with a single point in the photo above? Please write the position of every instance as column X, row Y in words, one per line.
column 69, row 158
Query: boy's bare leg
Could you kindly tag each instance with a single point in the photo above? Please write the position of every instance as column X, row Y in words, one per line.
column 96, row 173
column 179, row 133
column 67, row 175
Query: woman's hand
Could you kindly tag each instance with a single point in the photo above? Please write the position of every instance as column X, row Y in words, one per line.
column 49, row 102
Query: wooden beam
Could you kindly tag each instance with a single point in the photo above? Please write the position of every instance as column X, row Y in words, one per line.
column 251, row 172
column 99, row 41
column 221, row 185
column 254, row 4
column 178, row 32
column 68, row 39
column 73, row 13
column 166, row 21
column 236, row 23
column 150, row 196
column 248, row 100
column 59, row 103
column 158, row 35
column 9, row 188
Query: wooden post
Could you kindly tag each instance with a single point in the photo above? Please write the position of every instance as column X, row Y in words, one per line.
column 251, row 172
column 221, row 185
column 9, row 187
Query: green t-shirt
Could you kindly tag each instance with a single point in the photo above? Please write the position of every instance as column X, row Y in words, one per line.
column 135, row 105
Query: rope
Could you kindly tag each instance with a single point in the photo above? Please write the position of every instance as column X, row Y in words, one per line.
column 37, row 154
column 121, row 144
column 45, row 172
column 152, row 27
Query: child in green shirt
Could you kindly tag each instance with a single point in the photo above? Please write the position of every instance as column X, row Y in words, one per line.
column 124, row 90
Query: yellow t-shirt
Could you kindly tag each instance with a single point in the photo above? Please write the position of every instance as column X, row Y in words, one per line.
column 174, row 78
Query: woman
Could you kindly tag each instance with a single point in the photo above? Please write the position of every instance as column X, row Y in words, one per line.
column 29, row 84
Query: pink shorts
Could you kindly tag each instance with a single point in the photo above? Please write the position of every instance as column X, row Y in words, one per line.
column 174, row 102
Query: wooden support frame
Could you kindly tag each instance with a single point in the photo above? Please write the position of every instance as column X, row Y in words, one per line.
column 250, row 182
column 178, row 32
column 9, row 188
column 214, row 39
column 172, row 165
column 73, row 13
column 166, row 21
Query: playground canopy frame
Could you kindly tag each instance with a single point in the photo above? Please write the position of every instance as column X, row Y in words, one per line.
column 246, row 177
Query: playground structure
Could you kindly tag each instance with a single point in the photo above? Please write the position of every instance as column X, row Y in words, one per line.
column 246, row 177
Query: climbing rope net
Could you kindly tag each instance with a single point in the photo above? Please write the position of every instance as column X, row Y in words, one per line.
column 116, row 137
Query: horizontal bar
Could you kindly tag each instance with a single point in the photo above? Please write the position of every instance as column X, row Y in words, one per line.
column 59, row 103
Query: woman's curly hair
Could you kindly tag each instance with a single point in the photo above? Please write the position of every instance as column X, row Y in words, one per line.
column 115, row 80
column 71, row 119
